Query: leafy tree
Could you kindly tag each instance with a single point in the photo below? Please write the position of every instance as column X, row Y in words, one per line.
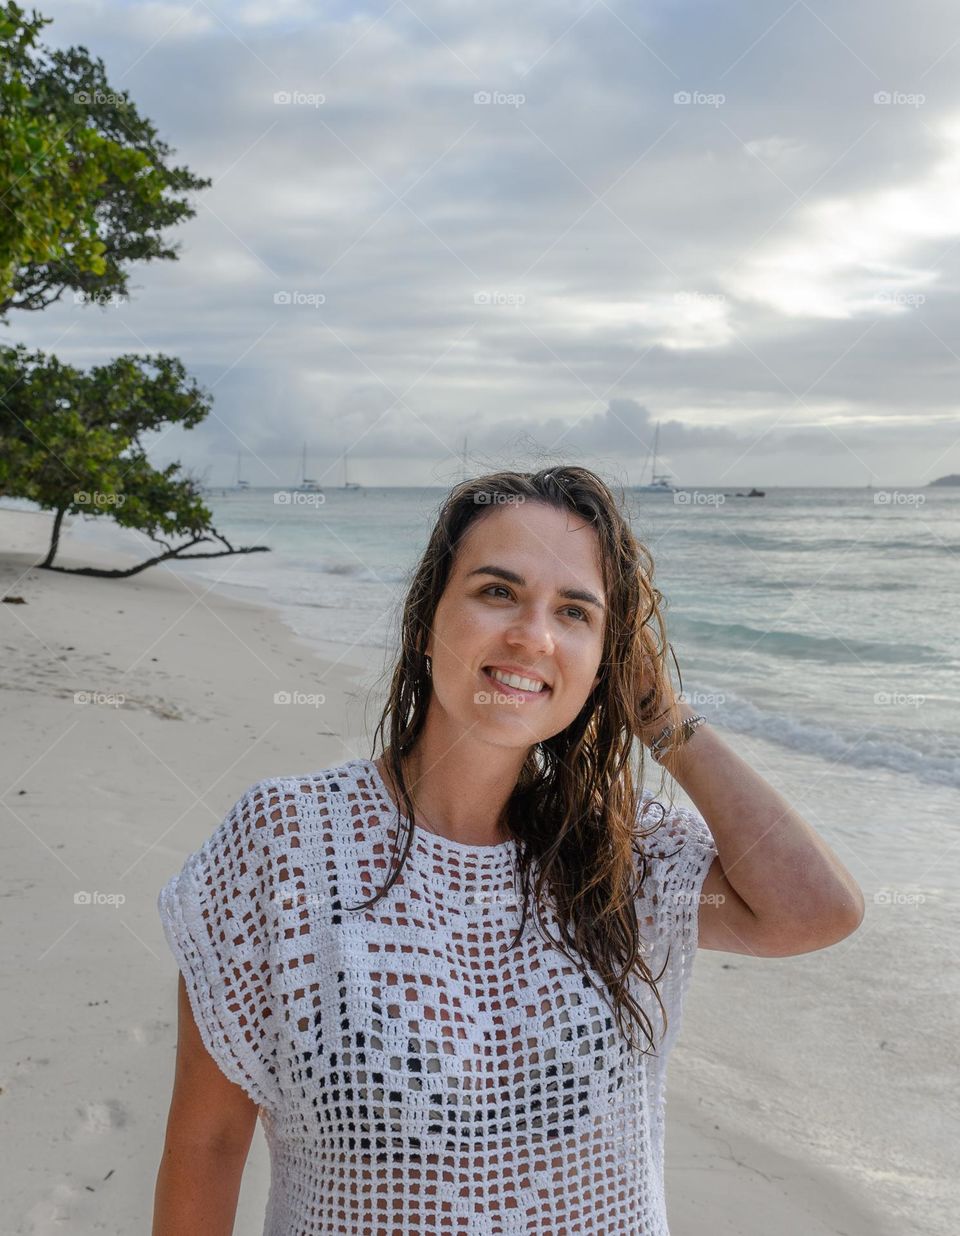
column 73, row 442
column 49, row 216
column 85, row 186
column 85, row 190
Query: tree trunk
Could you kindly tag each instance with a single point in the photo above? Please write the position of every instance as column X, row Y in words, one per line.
column 54, row 537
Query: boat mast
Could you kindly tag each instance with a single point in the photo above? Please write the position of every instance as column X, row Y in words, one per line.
column 655, row 478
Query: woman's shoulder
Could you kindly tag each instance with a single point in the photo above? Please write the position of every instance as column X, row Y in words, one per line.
column 334, row 780
column 277, row 805
column 281, row 821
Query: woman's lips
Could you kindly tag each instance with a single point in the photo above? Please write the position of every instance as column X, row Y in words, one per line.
column 514, row 692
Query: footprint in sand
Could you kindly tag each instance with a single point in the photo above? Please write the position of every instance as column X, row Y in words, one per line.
column 150, row 1032
column 68, row 1207
column 23, row 1068
column 96, row 1119
column 55, row 1213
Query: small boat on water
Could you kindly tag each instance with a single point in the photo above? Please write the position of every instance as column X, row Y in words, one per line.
column 349, row 484
column 658, row 483
column 754, row 493
column 307, row 484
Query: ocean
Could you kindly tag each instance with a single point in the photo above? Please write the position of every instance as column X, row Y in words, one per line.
column 822, row 620
column 818, row 628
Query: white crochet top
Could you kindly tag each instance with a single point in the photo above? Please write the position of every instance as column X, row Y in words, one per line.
column 411, row 1076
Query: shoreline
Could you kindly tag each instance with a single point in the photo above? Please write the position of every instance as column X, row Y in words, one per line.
column 113, row 796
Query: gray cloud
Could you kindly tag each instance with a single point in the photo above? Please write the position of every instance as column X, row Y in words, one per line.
column 771, row 276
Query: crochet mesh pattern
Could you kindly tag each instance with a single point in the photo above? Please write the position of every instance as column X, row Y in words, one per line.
column 412, row 1075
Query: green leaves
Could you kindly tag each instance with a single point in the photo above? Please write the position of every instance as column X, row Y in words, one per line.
column 84, row 183
column 74, row 441
column 84, row 191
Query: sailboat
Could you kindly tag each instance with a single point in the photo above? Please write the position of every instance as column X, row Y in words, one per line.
column 657, row 484
column 241, row 483
column 307, row 484
column 349, row 484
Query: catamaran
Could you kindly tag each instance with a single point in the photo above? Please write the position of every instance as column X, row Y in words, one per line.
column 657, row 484
column 307, row 484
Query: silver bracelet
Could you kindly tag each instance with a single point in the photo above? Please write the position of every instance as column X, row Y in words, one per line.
column 688, row 725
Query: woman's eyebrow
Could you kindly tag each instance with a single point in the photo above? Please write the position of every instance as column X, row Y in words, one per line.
column 571, row 594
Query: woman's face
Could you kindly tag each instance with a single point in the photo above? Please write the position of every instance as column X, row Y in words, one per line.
column 485, row 619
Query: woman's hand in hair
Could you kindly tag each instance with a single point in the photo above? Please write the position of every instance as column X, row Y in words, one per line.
column 658, row 704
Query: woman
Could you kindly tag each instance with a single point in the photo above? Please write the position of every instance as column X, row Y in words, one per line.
column 355, row 964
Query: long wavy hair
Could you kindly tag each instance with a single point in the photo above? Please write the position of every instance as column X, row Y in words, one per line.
column 575, row 809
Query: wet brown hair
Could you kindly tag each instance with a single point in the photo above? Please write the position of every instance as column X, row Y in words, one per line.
column 575, row 807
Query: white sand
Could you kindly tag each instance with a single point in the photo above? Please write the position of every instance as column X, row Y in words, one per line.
column 110, row 799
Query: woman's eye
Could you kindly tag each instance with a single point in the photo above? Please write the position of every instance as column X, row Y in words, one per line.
column 576, row 608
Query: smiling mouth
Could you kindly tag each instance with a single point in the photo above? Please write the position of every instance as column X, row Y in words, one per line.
column 516, row 692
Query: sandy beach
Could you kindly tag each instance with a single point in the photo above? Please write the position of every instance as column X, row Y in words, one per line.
column 136, row 712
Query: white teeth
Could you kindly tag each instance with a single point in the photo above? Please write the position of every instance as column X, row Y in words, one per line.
column 514, row 680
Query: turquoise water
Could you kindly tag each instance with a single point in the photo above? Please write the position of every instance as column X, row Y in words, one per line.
column 818, row 619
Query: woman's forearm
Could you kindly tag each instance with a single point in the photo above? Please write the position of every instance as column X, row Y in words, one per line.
column 772, row 857
column 197, row 1191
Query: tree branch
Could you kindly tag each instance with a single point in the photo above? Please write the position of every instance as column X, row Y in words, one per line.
column 125, row 573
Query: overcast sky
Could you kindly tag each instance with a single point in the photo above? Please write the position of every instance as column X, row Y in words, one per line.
column 504, row 221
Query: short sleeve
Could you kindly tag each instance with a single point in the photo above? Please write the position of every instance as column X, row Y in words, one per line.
column 679, row 855
column 219, row 921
